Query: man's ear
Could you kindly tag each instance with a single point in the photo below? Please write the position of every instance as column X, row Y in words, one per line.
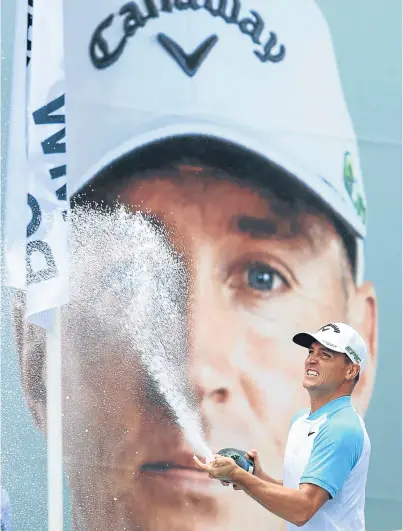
column 353, row 370
column 363, row 317
column 31, row 345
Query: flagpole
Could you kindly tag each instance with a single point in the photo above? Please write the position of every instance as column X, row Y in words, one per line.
column 54, row 423
column 27, row 167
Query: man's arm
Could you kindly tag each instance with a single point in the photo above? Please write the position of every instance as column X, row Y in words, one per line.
column 295, row 506
column 269, row 479
column 262, row 475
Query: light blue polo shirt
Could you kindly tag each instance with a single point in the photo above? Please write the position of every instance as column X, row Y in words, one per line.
column 330, row 448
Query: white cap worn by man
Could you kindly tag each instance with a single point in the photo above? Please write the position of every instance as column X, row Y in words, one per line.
column 340, row 338
column 328, row 449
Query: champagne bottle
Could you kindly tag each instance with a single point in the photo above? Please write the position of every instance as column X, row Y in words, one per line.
column 240, row 458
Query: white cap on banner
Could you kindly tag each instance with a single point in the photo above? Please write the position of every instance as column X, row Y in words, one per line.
column 260, row 74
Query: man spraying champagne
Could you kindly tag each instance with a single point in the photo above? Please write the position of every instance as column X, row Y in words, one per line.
column 328, row 449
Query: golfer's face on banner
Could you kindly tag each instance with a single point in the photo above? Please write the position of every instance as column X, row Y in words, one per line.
column 219, row 208
column 256, row 267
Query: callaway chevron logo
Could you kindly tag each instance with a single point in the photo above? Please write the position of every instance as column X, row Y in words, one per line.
column 190, row 63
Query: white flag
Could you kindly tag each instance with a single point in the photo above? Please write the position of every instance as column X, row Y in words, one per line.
column 16, row 212
column 36, row 197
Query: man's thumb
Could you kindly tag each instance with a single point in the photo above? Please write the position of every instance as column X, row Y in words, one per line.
column 252, row 454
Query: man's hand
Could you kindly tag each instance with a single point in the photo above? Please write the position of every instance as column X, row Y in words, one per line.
column 222, row 468
column 258, row 472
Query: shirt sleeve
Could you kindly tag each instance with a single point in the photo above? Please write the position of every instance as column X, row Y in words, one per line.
column 336, row 451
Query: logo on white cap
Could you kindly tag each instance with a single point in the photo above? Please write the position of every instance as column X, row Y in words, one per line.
column 338, row 337
column 350, row 182
column 133, row 18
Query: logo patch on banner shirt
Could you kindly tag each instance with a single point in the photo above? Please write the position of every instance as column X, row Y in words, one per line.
column 104, row 53
column 349, row 183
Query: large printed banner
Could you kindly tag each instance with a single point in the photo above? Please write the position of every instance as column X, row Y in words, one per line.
column 226, row 122
column 217, row 202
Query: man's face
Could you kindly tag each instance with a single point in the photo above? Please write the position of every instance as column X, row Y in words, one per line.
column 325, row 370
column 254, row 282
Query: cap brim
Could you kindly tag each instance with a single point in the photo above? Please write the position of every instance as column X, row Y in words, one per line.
column 247, row 140
column 305, row 340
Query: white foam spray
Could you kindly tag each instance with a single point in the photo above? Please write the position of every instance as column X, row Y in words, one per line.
column 138, row 287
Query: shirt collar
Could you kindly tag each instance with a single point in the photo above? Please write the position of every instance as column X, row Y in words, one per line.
column 331, row 407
